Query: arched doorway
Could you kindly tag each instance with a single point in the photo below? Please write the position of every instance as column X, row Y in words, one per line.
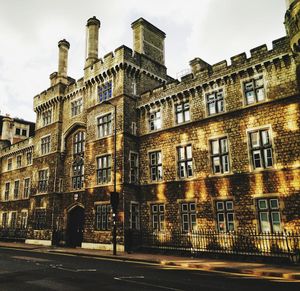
column 75, row 227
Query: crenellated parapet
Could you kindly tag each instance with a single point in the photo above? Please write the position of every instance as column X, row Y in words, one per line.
column 205, row 76
column 16, row 148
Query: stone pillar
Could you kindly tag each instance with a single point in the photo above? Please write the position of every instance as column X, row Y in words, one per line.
column 93, row 25
column 63, row 46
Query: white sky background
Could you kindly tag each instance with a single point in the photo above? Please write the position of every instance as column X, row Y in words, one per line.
column 213, row 30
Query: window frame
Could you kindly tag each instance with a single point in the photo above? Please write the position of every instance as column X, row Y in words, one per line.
column 185, row 161
column 45, row 144
column 103, row 219
column 154, row 122
column 216, row 101
column 107, row 92
column 16, row 191
column 134, row 215
column 9, row 164
column 106, row 127
column 40, row 221
column 46, row 117
column 133, row 167
column 155, row 167
column 225, row 211
column 261, row 148
column 182, row 112
column 107, row 169
column 26, row 192
column 220, row 155
column 157, row 216
column 269, row 211
column 188, row 216
column 43, row 183
column 254, row 89
column 76, row 106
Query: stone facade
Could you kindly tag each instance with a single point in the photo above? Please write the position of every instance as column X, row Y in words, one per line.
column 217, row 150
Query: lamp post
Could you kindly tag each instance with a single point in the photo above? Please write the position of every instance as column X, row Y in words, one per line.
column 114, row 196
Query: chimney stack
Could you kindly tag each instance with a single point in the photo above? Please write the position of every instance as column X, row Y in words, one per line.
column 62, row 75
column 93, row 25
column 63, row 46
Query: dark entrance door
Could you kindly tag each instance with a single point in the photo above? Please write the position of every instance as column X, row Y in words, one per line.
column 75, row 227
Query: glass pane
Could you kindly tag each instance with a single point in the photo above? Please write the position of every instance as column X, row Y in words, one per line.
column 229, row 205
column 161, row 208
column 220, row 205
column 192, row 207
column 159, row 158
column 248, row 86
column 274, row 204
column 184, row 207
column 179, row 117
column 187, row 115
column 250, row 97
column 159, row 172
column 257, row 159
column 224, row 147
column 259, row 82
column 275, row 217
column 154, row 208
column 260, row 94
column 214, row 147
column 268, row 157
column 265, row 137
column 189, row 152
column 211, row 108
column 225, row 164
column 190, row 168
column 216, row 165
column 230, row 217
column 181, row 155
column 264, row 222
column 262, row 204
column 254, row 139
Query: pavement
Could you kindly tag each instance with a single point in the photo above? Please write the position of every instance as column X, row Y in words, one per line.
column 287, row 272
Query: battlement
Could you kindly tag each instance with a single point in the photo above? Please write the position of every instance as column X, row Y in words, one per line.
column 205, row 73
column 17, row 147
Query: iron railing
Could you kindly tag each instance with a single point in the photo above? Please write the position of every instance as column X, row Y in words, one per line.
column 13, row 234
column 280, row 244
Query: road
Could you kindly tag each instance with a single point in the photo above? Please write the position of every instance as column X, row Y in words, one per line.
column 31, row 270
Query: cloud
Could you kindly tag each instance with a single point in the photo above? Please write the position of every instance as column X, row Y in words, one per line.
column 210, row 29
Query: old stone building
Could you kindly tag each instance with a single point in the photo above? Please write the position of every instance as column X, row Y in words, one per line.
column 217, row 150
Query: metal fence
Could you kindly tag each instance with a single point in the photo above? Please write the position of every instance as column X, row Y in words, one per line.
column 13, row 234
column 281, row 244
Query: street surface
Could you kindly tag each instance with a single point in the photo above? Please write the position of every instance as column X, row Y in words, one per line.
column 30, row 270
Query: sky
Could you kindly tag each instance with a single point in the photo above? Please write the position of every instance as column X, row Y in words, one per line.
column 213, row 30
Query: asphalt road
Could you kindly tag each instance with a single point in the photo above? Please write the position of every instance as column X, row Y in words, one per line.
column 29, row 270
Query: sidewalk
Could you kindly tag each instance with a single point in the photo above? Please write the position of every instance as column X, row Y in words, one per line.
column 216, row 265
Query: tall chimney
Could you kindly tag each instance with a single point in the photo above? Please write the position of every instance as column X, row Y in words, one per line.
column 7, row 129
column 63, row 46
column 93, row 25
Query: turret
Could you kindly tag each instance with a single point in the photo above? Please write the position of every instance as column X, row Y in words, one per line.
column 92, row 35
column 292, row 24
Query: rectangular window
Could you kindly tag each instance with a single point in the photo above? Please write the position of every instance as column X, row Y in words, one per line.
column 185, row 161
column 26, row 187
column 261, row 149
column 29, row 158
column 133, row 128
column 134, row 216
column 105, row 91
column 104, row 125
column 155, row 166
column 23, row 219
column 104, row 169
column 269, row 215
column 158, row 217
column 215, row 102
column 45, row 145
column 188, row 216
column 16, row 189
column 254, row 90
column 24, row 132
column 4, row 222
column 13, row 219
column 46, row 117
column 6, row 191
column 219, row 155
column 182, row 111
column 19, row 161
column 18, row 131
column 155, row 120
column 78, row 176
column 225, row 215
column 40, row 219
column 103, row 217
column 9, row 164
column 134, row 167
column 76, row 107
column 79, row 142
column 42, row 181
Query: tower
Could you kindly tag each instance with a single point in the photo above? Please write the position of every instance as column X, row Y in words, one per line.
column 292, row 24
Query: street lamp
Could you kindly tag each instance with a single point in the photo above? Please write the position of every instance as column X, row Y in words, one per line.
column 114, row 196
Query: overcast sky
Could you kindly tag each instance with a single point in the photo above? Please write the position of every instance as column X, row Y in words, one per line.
column 213, row 30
